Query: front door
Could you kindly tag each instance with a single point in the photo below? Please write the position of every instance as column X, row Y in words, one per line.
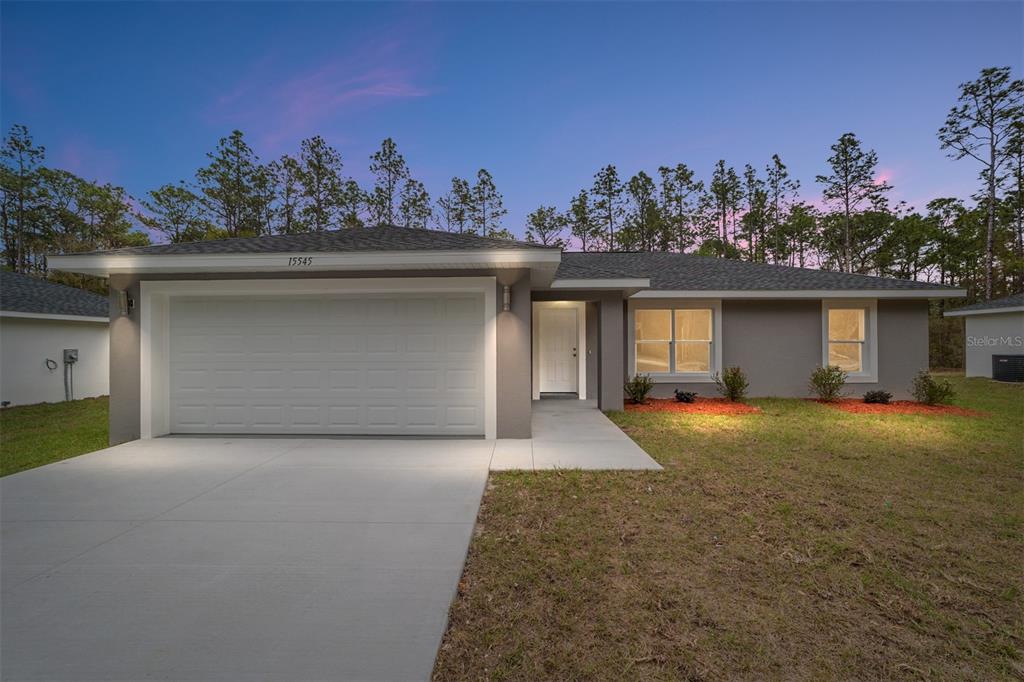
column 558, row 350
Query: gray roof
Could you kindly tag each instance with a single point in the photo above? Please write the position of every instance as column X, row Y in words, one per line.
column 689, row 272
column 27, row 294
column 356, row 239
column 1015, row 301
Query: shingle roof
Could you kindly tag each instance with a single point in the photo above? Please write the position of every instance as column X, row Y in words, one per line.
column 689, row 272
column 369, row 239
column 1015, row 301
column 26, row 294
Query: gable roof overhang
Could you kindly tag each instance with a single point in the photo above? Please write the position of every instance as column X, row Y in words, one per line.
column 802, row 293
column 541, row 262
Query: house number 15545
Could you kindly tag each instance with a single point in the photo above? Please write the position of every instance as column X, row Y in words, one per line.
column 299, row 261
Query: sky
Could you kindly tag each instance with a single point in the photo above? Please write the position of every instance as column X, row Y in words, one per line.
column 540, row 94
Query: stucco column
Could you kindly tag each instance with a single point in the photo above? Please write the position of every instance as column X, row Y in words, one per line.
column 514, row 348
column 612, row 365
column 125, row 368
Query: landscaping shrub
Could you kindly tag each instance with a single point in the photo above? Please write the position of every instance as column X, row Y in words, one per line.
column 878, row 397
column 931, row 391
column 638, row 387
column 827, row 382
column 685, row 396
column 732, row 383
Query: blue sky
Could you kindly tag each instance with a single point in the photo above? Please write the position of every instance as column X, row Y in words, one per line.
column 541, row 94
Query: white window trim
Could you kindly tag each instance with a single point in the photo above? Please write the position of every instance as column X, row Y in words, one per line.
column 677, row 304
column 154, row 398
column 869, row 354
column 581, row 344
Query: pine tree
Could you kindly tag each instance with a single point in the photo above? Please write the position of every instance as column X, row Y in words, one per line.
column 607, row 192
column 390, row 171
column 545, row 226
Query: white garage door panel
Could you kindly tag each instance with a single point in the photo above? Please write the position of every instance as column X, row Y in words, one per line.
column 372, row 364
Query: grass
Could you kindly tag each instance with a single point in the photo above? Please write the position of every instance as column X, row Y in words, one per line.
column 799, row 543
column 34, row 435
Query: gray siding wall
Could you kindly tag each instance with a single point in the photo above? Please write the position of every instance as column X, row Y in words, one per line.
column 513, row 332
column 778, row 345
column 988, row 335
column 593, row 349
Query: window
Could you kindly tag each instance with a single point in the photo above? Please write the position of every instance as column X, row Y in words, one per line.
column 849, row 338
column 846, row 339
column 677, row 341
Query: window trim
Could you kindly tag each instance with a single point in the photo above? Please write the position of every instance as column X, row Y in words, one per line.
column 869, row 349
column 715, row 306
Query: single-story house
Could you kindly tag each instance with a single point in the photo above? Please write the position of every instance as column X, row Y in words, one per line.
column 41, row 320
column 994, row 334
column 396, row 331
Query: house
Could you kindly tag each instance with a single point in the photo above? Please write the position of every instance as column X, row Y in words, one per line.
column 39, row 322
column 994, row 333
column 397, row 331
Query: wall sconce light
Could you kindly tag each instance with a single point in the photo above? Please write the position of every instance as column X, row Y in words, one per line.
column 125, row 303
column 506, row 298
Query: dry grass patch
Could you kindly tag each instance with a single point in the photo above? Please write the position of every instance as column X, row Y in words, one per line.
column 798, row 543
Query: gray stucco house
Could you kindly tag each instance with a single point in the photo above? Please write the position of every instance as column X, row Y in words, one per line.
column 991, row 328
column 394, row 331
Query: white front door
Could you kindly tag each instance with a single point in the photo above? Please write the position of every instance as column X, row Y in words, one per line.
column 558, row 334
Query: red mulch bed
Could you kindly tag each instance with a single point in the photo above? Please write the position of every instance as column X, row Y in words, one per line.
column 701, row 406
column 855, row 406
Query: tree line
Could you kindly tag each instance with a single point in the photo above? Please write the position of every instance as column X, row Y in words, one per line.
column 755, row 213
column 45, row 210
column 758, row 214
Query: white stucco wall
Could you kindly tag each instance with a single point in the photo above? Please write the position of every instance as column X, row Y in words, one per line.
column 25, row 344
column 988, row 335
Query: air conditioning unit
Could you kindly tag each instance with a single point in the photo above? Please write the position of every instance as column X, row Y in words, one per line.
column 1008, row 368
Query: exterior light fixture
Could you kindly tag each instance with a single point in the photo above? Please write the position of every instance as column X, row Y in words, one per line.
column 125, row 303
column 506, row 299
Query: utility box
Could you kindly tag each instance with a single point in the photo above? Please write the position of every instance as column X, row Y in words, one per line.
column 1008, row 368
column 70, row 356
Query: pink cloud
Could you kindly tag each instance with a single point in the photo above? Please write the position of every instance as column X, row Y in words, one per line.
column 884, row 175
column 281, row 107
column 82, row 157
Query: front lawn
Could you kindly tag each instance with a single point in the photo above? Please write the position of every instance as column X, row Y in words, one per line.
column 802, row 542
column 34, row 435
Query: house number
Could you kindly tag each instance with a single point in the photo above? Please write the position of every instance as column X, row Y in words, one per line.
column 299, row 261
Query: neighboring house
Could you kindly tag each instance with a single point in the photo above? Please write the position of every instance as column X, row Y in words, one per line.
column 415, row 332
column 39, row 320
column 994, row 329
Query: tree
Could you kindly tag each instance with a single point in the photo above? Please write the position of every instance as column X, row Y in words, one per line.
column 978, row 126
column 1015, row 199
column 782, row 191
column 176, row 212
column 414, row 205
column 287, row 177
column 324, row 199
column 453, row 207
column 680, row 194
column 755, row 217
column 228, row 186
column 851, row 183
column 581, row 222
column 545, row 226
column 20, row 160
column 487, row 207
column 725, row 193
column 390, row 170
column 801, row 230
column 607, row 192
column 643, row 227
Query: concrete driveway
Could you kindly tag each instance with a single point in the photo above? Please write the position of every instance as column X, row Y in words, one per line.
column 236, row 559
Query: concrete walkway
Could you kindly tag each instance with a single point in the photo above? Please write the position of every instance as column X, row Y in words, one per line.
column 236, row 559
column 570, row 434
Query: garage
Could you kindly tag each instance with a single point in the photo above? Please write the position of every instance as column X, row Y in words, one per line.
column 379, row 364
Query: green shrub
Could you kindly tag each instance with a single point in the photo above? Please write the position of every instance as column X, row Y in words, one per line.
column 827, row 382
column 638, row 387
column 685, row 396
column 931, row 391
column 732, row 383
column 878, row 397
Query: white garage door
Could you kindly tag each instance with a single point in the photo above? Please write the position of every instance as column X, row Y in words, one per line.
column 328, row 364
